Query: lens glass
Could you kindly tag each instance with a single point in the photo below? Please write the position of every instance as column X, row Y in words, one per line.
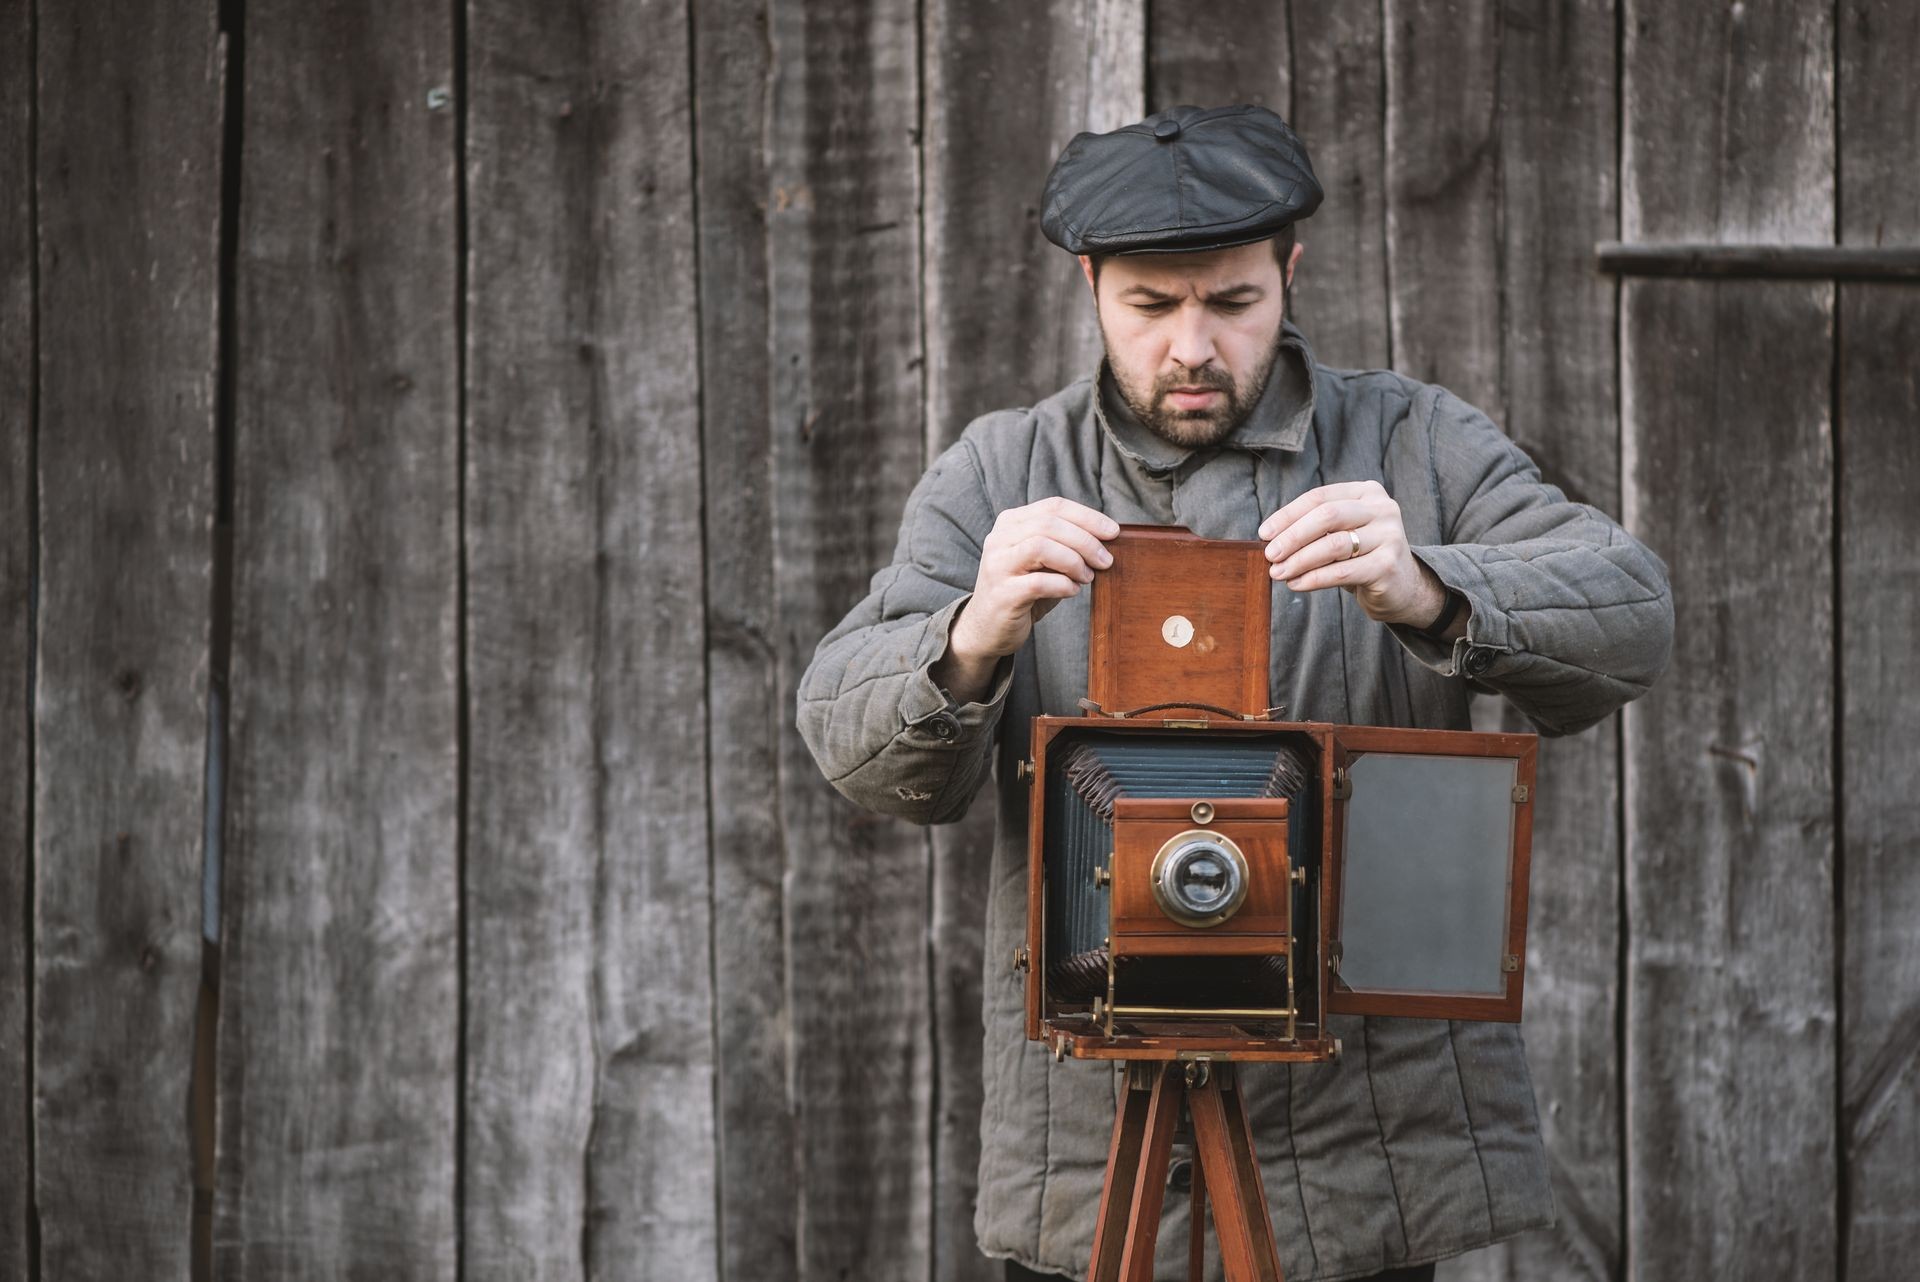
column 1199, row 881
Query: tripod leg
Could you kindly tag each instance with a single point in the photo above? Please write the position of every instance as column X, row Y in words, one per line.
column 1225, row 1142
column 1149, row 1195
column 1130, row 1199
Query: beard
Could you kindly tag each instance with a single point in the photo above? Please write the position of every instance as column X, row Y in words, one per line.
column 1194, row 428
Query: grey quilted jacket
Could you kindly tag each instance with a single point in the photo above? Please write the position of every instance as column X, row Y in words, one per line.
column 1423, row 1140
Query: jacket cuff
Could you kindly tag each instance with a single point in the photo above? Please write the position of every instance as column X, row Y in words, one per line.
column 1486, row 651
column 928, row 714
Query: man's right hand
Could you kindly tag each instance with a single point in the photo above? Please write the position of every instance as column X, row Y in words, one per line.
column 1034, row 557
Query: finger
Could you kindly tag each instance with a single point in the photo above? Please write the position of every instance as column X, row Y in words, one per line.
column 1080, row 539
column 1335, row 514
column 1314, row 498
column 1345, row 574
column 1096, row 523
column 1044, row 588
column 1334, row 546
column 1038, row 552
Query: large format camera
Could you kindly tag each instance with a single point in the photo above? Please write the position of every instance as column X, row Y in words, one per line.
column 1209, row 881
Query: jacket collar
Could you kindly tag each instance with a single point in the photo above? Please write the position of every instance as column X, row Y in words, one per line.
column 1280, row 418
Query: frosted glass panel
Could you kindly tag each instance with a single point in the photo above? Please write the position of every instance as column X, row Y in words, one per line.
column 1424, row 891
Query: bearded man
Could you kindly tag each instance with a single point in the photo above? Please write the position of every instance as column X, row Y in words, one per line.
column 1419, row 553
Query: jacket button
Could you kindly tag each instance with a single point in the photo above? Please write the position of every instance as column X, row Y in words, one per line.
column 942, row 725
column 1166, row 130
column 1479, row 659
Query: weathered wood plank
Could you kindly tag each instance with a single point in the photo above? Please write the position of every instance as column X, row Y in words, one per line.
column 1209, row 55
column 758, row 1195
column 1762, row 262
column 1879, row 459
column 339, row 1023
column 128, row 173
column 589, row 1119
column 1006, row 90
column 1443, row 195
column 844, row 297
column 1339, row 96
column 1556, row 195
column 16, row 620
column 1008, row 322
column 1728, row 134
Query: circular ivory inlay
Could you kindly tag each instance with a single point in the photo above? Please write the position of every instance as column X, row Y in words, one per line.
column 1177, row 630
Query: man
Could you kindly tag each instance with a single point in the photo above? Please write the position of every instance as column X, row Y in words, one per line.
column 1416, row 550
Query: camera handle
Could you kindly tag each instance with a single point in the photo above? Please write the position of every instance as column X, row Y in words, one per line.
column 1271, row 714
column 1136, row 1180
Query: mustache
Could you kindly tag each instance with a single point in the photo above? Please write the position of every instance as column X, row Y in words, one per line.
column 1205, row 376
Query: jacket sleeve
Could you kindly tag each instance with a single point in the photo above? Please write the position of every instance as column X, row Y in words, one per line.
column 1571, row 617
column 882, row 732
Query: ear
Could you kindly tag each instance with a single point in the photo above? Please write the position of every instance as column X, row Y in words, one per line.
column 1086, row 269
column 1293, row 260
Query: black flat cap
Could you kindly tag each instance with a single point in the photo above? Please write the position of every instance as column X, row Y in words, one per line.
column 1184, row 179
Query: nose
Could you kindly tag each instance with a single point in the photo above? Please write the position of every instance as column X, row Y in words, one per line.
column 1191, row 342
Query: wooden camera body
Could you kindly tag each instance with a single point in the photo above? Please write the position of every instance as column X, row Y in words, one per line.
column 1205, row 879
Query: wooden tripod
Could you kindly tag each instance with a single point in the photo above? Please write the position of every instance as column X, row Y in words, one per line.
column 1136, row 1182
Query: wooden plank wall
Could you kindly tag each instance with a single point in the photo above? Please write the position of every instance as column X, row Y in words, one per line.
column 563, row 370
column 16, row 633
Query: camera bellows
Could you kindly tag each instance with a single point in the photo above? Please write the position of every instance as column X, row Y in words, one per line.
column 1088, row 771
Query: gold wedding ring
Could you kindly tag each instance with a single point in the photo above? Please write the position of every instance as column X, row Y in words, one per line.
column 1355, row 550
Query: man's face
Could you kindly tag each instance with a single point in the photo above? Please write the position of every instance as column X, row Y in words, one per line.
column 1192, row 337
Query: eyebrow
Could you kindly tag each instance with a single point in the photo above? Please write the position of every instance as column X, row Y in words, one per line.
column 1241, row 290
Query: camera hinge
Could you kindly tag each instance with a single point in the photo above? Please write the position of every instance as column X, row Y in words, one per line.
column 1342, row 784
column 1333, row 955
column 1521, row 793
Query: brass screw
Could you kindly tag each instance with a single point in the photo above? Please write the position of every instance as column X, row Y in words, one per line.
column 1103, row 876
column 1299, row 876
column 1202, row 812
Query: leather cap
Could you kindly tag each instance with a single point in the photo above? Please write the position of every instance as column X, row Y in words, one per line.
column 1183, row 179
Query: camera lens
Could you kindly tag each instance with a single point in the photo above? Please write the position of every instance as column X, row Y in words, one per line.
column 1200, row 879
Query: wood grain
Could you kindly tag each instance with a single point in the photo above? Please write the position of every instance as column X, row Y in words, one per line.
column 846, row 402
column 17, row 518
column 1339, row 111
column 1008, row 316
column 1443, row 195
column 128, row 197
column 590, row 1137
column 1731, row 1124
column 758, row 1154
column 1879, row 528
column 1218, row 53
column 1557, row 192
column 339, row 1022
column 1008, row 321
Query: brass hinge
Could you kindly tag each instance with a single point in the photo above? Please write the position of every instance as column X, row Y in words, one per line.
column 1023, row 770
column 1342, row 784
column 1510, row 963
column 1299, row 875
column 1020, row 960
column 1102, row 877
column 1333, row 956
column 1520, row 794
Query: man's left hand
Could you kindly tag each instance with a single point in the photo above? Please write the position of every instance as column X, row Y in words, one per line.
column 1350, row 536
